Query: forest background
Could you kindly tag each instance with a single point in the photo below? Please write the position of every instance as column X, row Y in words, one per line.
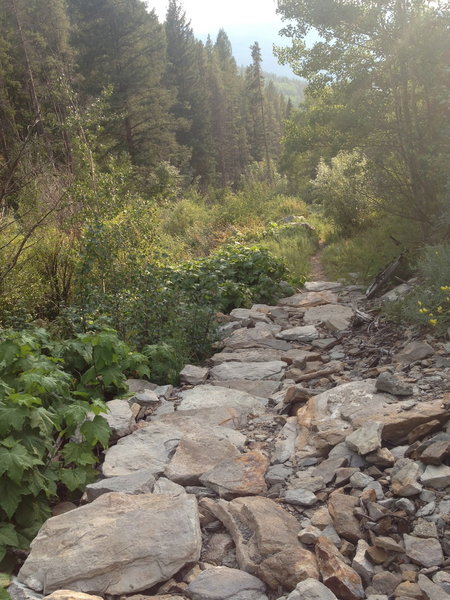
column 147, row 183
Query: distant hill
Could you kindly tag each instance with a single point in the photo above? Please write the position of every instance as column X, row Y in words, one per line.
column 291, row 87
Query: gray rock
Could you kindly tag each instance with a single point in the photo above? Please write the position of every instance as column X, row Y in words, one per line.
column 230, row 407
column 164, row 391
column 165, row 486
column 19, row 591
column 116, row 545
column 304, row 333
column 442, row 579
column 139, row 385
column 221, row 583
column 404, row 478
column 361, row 564
column 366, row 439
column 311, row 589
column 387, row 382
column 249, row 314
column 285, row 444
column 425, row 529
column 300, row 497
column 193, row 375
column 414, row 351
column 253, row 371
column 220, row 550
column 261, row 388
column 336, row 317
column 278, row 474
column 146, row 398
column 239, row 476
column 256, row 337
column 139, row 482
column 119, row 418
column 196, row 454
column 426, row 552
column 309, row 535
column 148, row 448
column 431, row 590
column 437, row 477
column 360, row 480
column 252, row 355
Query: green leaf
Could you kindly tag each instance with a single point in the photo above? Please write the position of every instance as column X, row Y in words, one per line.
column 79, row 454
column 8, row 535
column 96, row 431
column 14, row 461
column 10, row 495
column 74, row 479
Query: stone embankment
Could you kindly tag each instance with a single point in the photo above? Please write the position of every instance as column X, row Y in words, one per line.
column 308, row 461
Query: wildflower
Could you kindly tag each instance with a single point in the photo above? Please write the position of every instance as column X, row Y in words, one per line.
column 440, row 309
column 433, row 322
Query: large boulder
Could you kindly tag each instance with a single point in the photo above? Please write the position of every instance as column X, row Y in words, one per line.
column 223, row 583
column 118, row 544
column 251, row 370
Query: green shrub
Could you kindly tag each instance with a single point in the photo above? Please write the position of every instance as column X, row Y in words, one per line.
column 51, row 399
column 429, row 304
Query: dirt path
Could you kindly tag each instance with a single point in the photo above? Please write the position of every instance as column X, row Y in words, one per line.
column 317, row 269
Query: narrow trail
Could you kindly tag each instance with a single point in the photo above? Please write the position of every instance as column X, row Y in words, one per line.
column 309, row 459
column 317, row 269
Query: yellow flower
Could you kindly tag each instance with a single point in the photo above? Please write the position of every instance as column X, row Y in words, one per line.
column 433, row 322
column 445, row 288
column 440, row 309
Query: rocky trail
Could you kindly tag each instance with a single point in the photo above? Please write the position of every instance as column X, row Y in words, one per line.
column 309, row 460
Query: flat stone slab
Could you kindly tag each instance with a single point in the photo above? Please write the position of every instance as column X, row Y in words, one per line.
column 320, row 286
column 303, row 333
column 198, row 454
column 254, row 371
column 260, row 388
column 140, row 482
column 116, row 545
column 238, row 476
column 216, row 397
column 308, row 299
column 193, row 375
column 256, row 337
column 336, row 317
column 148, row 448
column 223, row 583
column 252, row 355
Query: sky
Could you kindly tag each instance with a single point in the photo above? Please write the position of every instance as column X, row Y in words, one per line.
column 209, row 15
column 245, row 22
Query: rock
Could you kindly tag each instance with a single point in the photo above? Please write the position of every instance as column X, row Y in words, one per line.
column 248, row 314
column 148, row 448
column 341, row 579
column 221, row 583
column 414, row 351
column 193, row 375
column 257, row 337
column 408, row 590
column 336, row 317
column 365, row 439
column 219, row 547
column 320, row 286
column 431, row 590
column 386, row 582
column 426, row 552
column 139, row 482
column 299, row 497
column 311, row 589
column 262, row 388
column 119, row 417
column 145, row 399
column 238, row 476
column 425, row 529
column 198, row 454
column 288, row 567
column 341, row 508
column 135, row 386
column 18, row 591
column 303, row 300
column 308, row 481
column 219, row 405
column 327, row 469
column 116, row 545
column 253, row 370
column 285, row 444
column 387, row 382
column 404, row 478
column 260, row 529
column 436, row 453
column 437, row 477
column 361, row 480
column 302, row 333
column 309, row 535
column 388, row 544
column 328, row 418
column 252, row 355
column 321, row 518
column 165, row 486
column 361, row 564
column 278, row 474
column 70, row 595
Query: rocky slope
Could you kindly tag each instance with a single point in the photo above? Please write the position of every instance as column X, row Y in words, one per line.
column 309, row 460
